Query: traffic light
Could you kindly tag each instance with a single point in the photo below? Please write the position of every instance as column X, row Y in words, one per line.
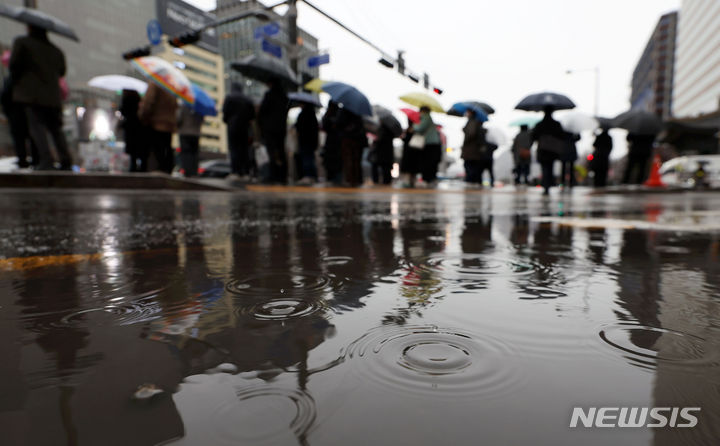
column 137, row 52
column 386, row 62
column 185, row 39
column 401, row 62
column 437, row 90
column 426, row 80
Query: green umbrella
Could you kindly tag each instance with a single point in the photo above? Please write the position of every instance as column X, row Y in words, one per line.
column 529, row 121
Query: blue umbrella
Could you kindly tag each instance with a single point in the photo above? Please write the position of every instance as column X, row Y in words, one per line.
column 462, row 107
column 350, row 97
column 301, row 98
column 204, row 104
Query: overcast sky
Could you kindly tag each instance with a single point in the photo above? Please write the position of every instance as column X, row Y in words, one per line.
column 493, row 51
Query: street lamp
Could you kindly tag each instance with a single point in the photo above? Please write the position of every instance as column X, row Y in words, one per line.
column 596, row 71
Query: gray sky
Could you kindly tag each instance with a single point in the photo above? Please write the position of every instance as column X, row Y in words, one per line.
column 493, row 51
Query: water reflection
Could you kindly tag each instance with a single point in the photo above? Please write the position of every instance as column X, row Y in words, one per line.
column 291, row 320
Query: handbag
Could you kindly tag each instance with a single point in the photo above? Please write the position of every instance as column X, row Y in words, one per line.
column 417, row 141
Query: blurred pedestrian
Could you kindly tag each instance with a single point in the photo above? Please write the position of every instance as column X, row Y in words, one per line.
column 353, row 142
column 189, row 130
column 412, row 157
column 549, row 135
column 601, row 157
column 158, row 111
column 382, row 156
column 36, row 66
column 272, row 120
column 308, row 129
column 522, row 155
column 640, row 149
column 568, row 157
column 238, row 112
column 332, row 160
column 473, row 148
column 432, row 151
column 133, row 131
column 17, row 123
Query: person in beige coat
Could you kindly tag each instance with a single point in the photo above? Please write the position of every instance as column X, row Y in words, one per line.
column 158, row 111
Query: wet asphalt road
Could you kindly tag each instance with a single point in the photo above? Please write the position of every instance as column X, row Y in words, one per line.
column 375, row 317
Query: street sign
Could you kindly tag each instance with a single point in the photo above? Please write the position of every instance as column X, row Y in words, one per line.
column 266, row 30
column 318, row 60
column 154, row 32
column 268, row 47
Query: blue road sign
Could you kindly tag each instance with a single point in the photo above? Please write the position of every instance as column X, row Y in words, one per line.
column 268, row 47
column 154, row 32
column 266, row 30
column 318, row 60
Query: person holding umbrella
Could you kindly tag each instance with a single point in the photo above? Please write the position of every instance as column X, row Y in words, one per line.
column 238, row 111
column 158, row 111
column 522, row 154
column 550, row 137
column 332, row 160
column 352, row 143
column 308, row 129
column 134, row 132
column 36, row 66
column 432, row 149
column 272, row 120
column 568, row 158
column 601, row 157
column 473, row 148
column 640, row 149
column 382, row 156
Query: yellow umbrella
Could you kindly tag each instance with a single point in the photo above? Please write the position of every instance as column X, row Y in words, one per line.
column 423, row 99
column 315, row 85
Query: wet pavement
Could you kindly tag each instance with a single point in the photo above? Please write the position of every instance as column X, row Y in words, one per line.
column 364, row 318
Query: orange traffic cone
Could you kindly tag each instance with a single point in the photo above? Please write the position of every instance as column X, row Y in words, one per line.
column 654, row 180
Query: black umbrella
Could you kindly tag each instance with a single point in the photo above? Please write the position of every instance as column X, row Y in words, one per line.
column 388, row 120
column 40, row 19
column 471, row 104
column 640, row 122
column 605, row 123
column 266, row 68
column 541, row 101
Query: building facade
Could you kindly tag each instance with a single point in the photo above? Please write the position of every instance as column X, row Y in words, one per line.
column 697, row 74
column 237, row 40
column 652, row 81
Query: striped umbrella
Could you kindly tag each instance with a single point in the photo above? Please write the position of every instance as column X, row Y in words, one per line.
column 165, row 75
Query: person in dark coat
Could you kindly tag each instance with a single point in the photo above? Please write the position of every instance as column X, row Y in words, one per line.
column 353, row 142
column 640, row 149
column 568, row 158
column 36, row 66
column 601, row 157
column 549, row 135
column 382, row 156
column 473, row 148
column 238, row 111
column 308, row 130
column 133, row 131
column 272, row 120
column 332, row 160
column 17, row 122
column 522, row 154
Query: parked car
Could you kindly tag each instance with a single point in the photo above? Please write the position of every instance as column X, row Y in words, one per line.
column 684, row 171
column 219, row 168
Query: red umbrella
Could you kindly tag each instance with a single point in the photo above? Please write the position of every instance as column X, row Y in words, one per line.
column 412, row 114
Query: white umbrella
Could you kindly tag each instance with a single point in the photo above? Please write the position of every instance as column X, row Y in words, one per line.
column 576, row 122
column 117, row 82
column 496, row 136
